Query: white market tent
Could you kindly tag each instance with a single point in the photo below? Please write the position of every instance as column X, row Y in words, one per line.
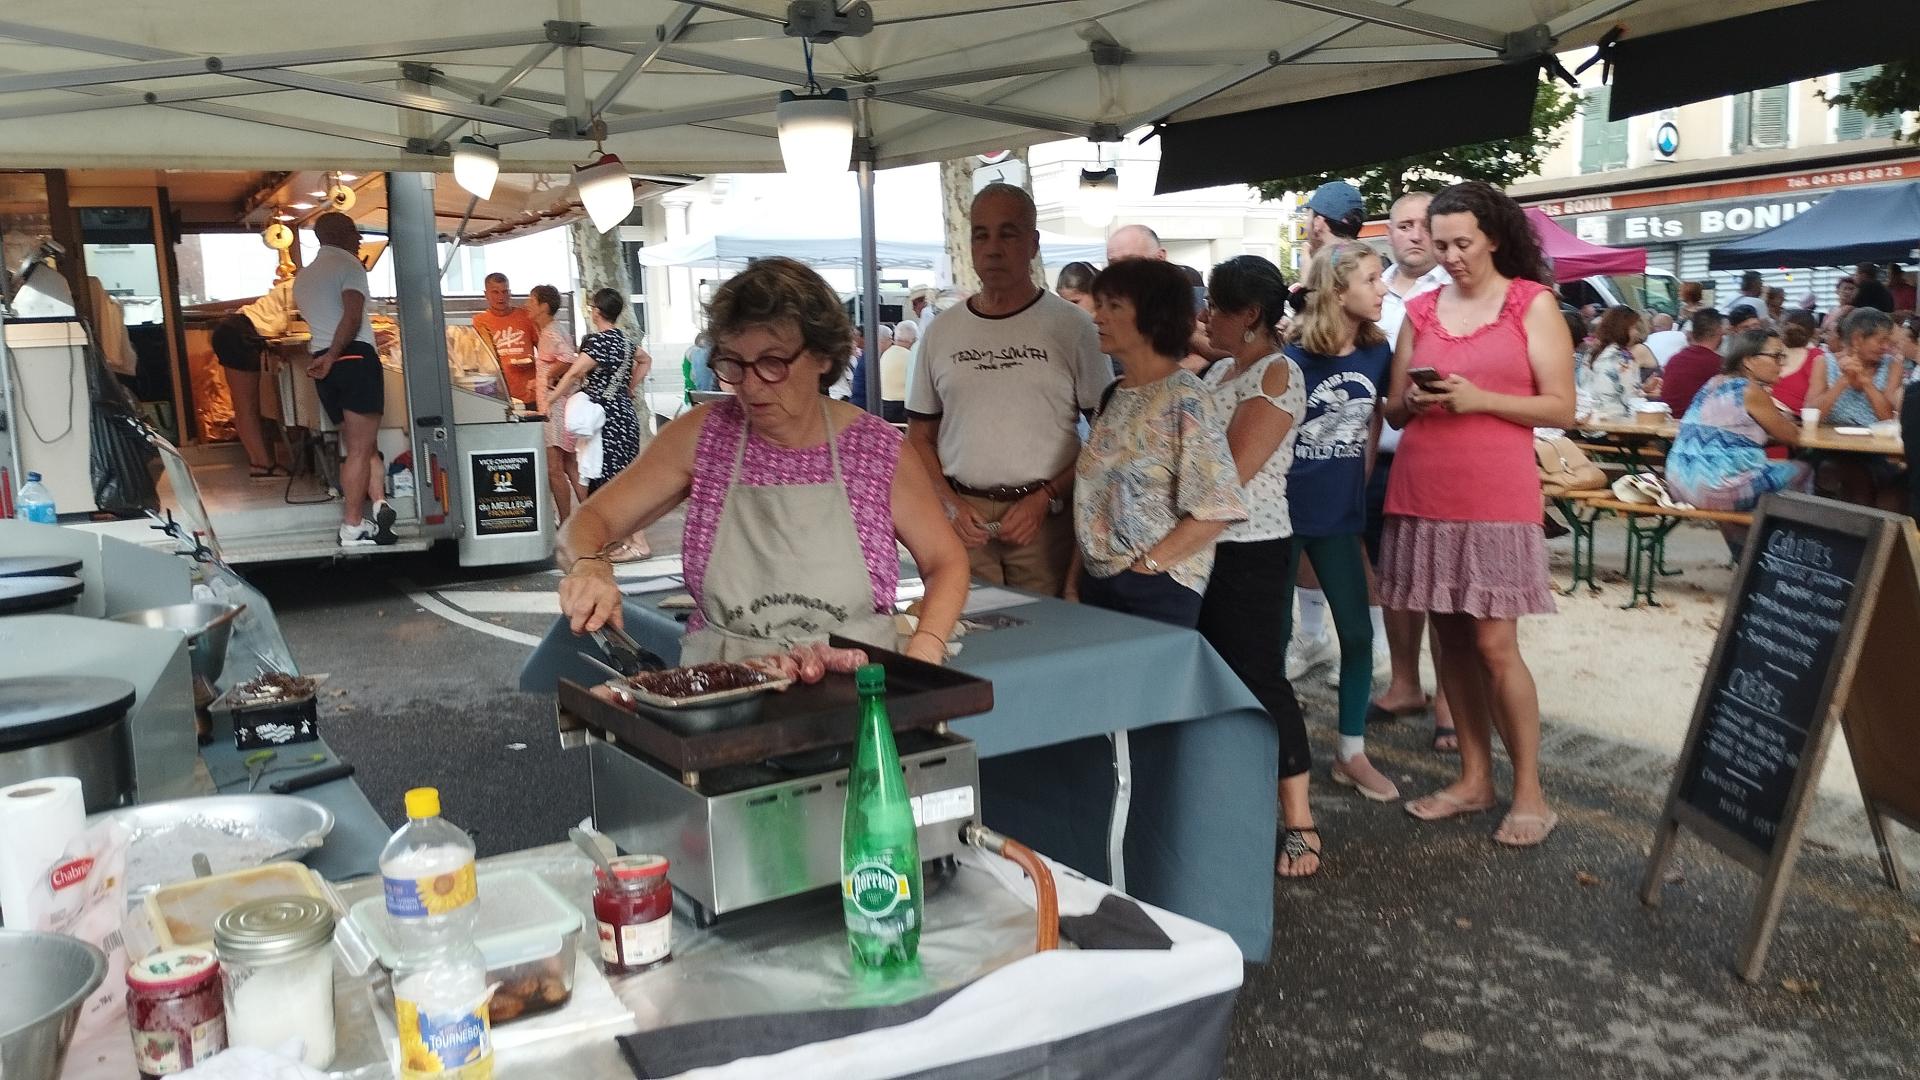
column 690, row 87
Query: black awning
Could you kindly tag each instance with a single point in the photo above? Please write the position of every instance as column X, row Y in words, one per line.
column 1852, row 225
column 1749, row 52
column 1349, row 130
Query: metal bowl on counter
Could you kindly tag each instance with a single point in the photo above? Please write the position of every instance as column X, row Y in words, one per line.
column 69, row 725
column 208, row 628
column 234, row 832
column 48, row 978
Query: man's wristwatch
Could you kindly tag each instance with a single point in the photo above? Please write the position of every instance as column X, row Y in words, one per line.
column 1055, row 504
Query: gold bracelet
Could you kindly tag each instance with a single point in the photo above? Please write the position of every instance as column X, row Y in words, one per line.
column 598, row 556
column 931, row 634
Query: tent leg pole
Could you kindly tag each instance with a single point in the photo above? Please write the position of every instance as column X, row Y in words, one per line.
column 869, row 257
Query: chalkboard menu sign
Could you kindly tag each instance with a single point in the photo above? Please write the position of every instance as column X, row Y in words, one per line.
column 1816, row 631
column 1763, row 697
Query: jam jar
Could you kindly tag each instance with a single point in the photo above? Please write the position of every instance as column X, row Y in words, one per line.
column 635, row 915
column 175, row 1009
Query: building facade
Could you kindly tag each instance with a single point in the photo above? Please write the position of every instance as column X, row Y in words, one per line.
column 1682, row 181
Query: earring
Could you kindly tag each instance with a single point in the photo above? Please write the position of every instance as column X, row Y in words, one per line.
column 1249, row 336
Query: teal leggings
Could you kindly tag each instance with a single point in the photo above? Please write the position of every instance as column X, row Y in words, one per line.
column 1340, row 561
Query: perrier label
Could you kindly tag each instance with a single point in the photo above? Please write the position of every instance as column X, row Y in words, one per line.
column 880, row 885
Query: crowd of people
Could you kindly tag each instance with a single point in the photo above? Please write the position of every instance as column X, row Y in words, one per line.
column 1192, row 452
column 1211, row 450
column 1746, row 384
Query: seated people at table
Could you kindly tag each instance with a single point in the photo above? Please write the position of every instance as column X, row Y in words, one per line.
column 1859, row 383
column 895, row 365
column 1344, row 359
column 1261, row 394
column 1692, row 366
column 1155, row 485
column 794, row 502
column 1844, row 291
column 331, row 292
column 1664, row 338
column 239, row 348
column 1718, row 461
column 1798, row 329
column 1462, row 540
column 554, row 356
column 1614, row 379
column 999, row 383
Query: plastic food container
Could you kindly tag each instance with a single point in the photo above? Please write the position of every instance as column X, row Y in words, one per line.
column 182, row 914
column 528, row 932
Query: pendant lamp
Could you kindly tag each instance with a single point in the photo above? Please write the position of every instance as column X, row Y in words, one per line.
column 816, row 131
column 1099, row 196
column 476, row 165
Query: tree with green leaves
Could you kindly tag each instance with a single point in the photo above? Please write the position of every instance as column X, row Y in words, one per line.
column 1500, row 162
column 1895, row 88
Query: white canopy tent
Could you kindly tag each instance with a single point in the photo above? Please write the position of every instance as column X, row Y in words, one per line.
column 738, row 249
column 690, row 87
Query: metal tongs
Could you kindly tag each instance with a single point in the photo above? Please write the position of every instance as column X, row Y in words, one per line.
column 627, row 655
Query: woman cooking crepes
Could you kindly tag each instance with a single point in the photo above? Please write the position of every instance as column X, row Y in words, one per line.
column 794, row 502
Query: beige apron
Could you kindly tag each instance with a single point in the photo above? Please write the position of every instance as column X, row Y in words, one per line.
column 786, row 568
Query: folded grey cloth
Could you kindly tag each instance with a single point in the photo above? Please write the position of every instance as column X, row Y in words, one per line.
column 1118, row 923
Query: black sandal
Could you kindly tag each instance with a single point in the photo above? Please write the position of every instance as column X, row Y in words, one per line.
column 1446, row 733
column 1293, row 845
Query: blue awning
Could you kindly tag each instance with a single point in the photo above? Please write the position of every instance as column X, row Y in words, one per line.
column 1853, row 225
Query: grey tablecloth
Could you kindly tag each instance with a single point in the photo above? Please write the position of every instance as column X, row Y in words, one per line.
column 1200, row 837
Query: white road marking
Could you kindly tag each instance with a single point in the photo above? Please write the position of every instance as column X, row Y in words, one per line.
column 489, row 602
column 460, row 618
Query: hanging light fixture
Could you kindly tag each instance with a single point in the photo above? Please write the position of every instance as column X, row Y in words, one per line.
column 476, row 165
column 816, row 126
column 1099, row 195
column 604, row 187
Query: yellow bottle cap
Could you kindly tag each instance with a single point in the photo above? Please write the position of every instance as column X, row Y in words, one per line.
column 423, row 802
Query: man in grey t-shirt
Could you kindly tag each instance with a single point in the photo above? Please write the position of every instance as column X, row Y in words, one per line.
column 998, row 388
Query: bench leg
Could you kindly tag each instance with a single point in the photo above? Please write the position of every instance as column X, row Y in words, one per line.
column 1646, row 555
column 1582, row 529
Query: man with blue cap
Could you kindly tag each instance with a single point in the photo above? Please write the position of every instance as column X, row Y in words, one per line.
column 1335, row 211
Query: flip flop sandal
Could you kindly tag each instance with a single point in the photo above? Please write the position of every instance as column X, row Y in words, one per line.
column 1293, row 845
column 1440, row 806
column 1380, row 714
column 1544, row 822
column 264, row 472
column 1446, row 733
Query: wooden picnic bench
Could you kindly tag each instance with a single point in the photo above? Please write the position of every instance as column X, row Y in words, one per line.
column 1647, row 529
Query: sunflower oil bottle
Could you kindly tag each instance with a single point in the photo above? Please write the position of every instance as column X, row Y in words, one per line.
column 440, row 978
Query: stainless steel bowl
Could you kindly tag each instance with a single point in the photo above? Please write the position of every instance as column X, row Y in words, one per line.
column 236, row 831
column 48, row 978
column 208, row 628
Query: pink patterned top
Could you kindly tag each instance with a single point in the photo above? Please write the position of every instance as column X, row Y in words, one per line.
column 1476, row 467
column 869, row 450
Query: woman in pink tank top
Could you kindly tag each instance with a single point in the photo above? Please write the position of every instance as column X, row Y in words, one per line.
column 1463, row 538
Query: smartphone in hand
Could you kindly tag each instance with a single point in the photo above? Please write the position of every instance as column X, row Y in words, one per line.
column 1425, row 378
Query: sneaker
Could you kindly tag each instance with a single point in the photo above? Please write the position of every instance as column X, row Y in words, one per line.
column 1359, row 774
column 360, row 535
column 1306, row 654
column 383, row 519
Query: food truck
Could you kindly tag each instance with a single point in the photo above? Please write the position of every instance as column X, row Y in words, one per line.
column 111, row 392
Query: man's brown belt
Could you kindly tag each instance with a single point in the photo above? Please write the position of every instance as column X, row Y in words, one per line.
column 997, row 494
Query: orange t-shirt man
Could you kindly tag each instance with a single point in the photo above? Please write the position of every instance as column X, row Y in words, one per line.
column 513, row 337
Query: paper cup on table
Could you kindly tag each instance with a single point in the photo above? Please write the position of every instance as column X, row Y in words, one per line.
column 37, row 820
column 1652, row 413
column 1809, row 418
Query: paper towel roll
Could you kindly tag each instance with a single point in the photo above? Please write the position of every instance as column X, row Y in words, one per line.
column 37, row 821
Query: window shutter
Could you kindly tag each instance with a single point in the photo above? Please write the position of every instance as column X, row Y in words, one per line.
column 1742, row 123
column 1593, row 130
column 1768, row 123
column 1855, row 124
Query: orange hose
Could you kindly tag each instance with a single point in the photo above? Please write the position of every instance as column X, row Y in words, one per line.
column 1046, row 902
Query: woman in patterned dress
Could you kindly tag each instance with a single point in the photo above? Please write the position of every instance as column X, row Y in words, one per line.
column 1719, row 461
column 1462, row 539
column 609, row 371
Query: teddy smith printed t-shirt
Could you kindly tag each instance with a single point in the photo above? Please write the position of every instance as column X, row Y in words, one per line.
column 1008, row 391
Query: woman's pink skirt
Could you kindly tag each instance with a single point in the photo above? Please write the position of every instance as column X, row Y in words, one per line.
column 1486, row 569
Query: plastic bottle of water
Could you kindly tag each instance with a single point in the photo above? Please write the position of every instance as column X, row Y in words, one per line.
column 439, row 977
column 36, row 502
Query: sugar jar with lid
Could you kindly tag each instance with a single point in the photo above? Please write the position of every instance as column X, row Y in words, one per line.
column 635, row 913
column 175, row 1011
column 276, row 959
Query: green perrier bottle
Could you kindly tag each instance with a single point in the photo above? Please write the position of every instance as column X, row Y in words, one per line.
column 880, row 890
